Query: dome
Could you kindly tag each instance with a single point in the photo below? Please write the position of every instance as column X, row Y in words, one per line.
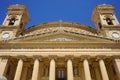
column 57, row 26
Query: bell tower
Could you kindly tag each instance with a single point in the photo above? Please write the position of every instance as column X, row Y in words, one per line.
column 14, row 23
column 106, row 22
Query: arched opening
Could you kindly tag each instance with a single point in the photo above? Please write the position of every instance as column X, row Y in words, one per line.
column 109, row 21
column 100, row 26
column 12, row 21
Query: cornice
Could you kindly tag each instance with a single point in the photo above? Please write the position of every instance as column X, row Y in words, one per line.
column 32, row 36
column 59, row 45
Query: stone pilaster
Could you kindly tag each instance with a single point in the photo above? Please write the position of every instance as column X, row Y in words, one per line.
column 25, row 72
column 97, row 71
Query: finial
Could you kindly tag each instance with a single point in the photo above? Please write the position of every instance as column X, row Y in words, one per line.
column 60, row 23
column 60, row 28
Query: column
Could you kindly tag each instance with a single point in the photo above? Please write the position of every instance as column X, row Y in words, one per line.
column 103, row 69
column 52, row 70
column 117, row 66
column 69, row 70
column 3, row 65
column 19, row 70
column 86, row 69
column 35, row 69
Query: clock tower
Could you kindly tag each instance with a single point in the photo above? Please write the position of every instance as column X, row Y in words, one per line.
column 106, row 22
column 14, row 23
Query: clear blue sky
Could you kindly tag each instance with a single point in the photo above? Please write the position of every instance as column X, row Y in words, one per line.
column 42, row 11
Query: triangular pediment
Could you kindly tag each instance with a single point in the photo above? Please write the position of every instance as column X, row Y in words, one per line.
column 58, row 38
column 62, row 37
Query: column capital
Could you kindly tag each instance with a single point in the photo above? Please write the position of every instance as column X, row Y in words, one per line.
column 37, row 57
column 100, row 57
column 83, row 57
column 5, row 56
column 22, row 57
column 52, row 57
column 115, row 57
column 69, row 57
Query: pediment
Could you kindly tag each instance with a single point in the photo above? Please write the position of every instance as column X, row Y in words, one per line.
column 63, row 37
column 58, row 38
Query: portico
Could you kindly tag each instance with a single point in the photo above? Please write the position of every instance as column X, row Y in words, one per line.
column 63, row 68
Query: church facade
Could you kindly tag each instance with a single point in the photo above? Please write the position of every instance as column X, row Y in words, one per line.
column 60, row 50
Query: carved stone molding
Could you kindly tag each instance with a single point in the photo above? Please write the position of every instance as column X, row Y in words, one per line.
column 50, row 57
column 100, row 57
column 24, row 58
column 69, row 57
column 5, row 57
column 83, row 57
column 61, row 39
column 37, row 57
column 115, row 57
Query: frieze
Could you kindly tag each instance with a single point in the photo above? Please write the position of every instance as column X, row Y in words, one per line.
column 61, row 39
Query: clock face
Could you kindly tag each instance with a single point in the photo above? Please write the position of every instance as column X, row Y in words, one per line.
column 5, row 35
column 116, row 35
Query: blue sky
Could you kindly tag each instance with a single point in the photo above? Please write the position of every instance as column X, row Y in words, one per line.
column 42, row 11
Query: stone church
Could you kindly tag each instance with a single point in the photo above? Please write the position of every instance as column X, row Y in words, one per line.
column 60, row 50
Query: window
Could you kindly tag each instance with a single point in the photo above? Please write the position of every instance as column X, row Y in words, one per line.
column 61, row 74
column 12, row 21
column 75, row 71
column 109, row 21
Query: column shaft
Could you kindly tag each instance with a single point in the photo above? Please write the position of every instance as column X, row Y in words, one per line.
column 117, row 67
column 86, row 70
column 52, row 70
column 19, row 70
column 69, row 70
column 35, row 70
column 103, row 70
column 3, row 66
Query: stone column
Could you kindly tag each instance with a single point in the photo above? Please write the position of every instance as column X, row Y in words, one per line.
column 3, row 65
column 117, row 66
column 52, row 69
column 86, row 68
column 19, row 69
column 103, row 68
column 35, row 69
column 69, row 70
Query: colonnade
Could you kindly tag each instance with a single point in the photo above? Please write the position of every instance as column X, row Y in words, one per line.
column 52, row 68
